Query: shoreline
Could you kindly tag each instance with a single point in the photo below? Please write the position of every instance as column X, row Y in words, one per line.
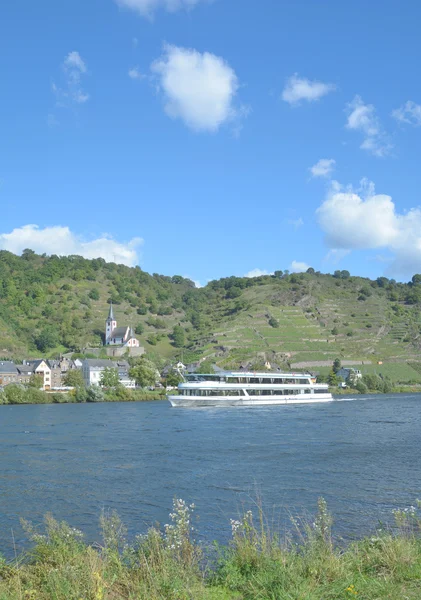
column 257, row 563
column 51, row 398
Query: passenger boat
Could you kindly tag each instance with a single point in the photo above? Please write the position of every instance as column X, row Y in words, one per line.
column 231, row 388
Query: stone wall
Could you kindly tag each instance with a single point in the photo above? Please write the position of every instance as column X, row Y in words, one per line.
column 115, row 351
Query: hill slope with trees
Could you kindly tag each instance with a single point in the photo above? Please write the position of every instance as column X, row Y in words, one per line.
column 51, row 304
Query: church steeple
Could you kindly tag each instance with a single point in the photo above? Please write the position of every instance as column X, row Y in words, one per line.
column 110, row 325
column 111, row 313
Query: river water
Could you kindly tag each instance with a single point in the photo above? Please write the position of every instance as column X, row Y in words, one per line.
column 74, row 460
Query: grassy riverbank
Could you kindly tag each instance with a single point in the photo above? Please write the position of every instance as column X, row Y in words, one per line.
column 14, row 394
column 255, row 565
column 401, row 389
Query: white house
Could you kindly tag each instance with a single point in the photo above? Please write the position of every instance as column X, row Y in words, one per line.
column 40, row 367
column 119, row 336
column 92, row 369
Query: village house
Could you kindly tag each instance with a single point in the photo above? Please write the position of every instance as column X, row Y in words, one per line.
column 21, row 374
column 348, row 372
column 59, row 368
column 92, row 369
column 25, row 373
column 40, row 367
column 178, row 367
column 8, row 373
column 123, row 374
column 119, row 336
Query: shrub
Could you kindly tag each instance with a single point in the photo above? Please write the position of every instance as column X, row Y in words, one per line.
column 94, row 394
column 94, row 294
column 15, row 394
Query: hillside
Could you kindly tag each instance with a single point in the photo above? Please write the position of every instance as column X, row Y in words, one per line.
column 50, row 305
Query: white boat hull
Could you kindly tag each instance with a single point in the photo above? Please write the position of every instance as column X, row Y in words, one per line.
column 226, row 401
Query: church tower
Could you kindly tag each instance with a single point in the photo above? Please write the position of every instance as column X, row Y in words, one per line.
column 110, row 324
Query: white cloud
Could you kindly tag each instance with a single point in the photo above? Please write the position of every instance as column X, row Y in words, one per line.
column 323, row 168
column 74, row 67
column 199, row 89
column 362, row 117
column 256, row 273
column 410, row 112
column 61, row 241
column 135, row 73
column 353, row 220
column 146, row 8
column 74, row 61
column 299, row 88
column 296, row 223
column 298, row 266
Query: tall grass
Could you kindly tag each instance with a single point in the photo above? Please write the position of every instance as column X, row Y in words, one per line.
column 168, row 564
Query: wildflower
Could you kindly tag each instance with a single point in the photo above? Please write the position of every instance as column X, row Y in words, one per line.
column 351, row 590
column 235, row 526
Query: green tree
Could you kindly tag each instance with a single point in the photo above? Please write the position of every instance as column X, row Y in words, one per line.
column 387, row 385
column 382, row 281
column 34, row 396
column 332, row 378
column 337, row 365
column 196, row 320
column 233, row 292
column 109, row 378
column 335, row 331
column 74, row 378
column 178, row 337
column 173, row 379
column 144, row 373
column 36, row 381
column 94, row 394
column 81, row 394
column 416, row 279
column 47, row 339
column 139, row 329
column 94, row 294
column 361, row 387
column 273, row 322
column 15, row 394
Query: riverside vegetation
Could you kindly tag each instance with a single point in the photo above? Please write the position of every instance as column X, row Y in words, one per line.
column 255, row 565
column 51, row 305
column 17, row 394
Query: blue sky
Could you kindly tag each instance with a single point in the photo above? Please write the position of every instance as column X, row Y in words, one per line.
column 211, row 139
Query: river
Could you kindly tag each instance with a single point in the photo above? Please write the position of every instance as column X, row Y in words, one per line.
column 74, row 460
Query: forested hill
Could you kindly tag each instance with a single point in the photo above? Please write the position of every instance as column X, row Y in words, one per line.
column 55, row 304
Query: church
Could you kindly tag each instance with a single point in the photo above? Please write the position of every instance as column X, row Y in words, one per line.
column 119, row 336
